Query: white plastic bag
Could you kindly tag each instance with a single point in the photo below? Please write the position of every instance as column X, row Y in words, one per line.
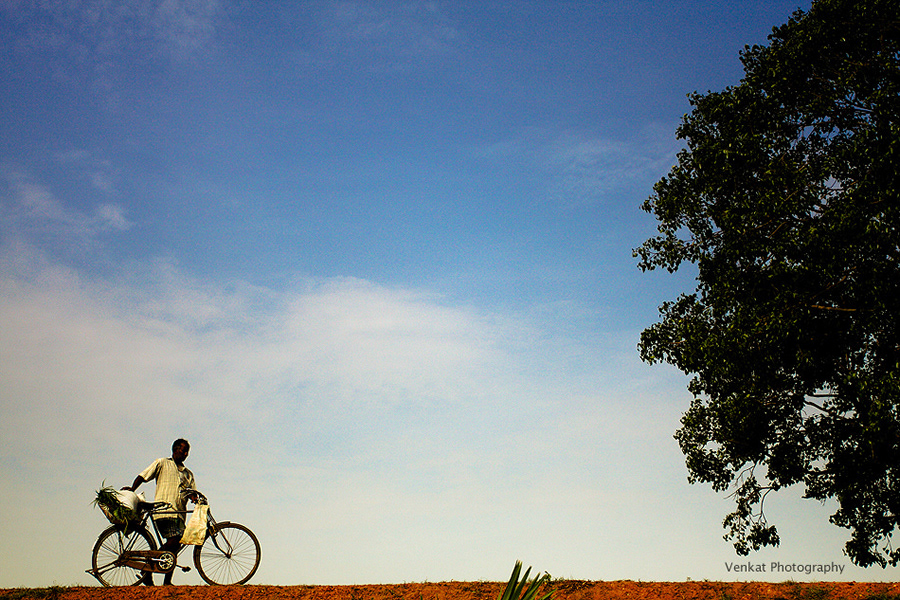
column 195, row 532
column 127, row 500
column 130, row 499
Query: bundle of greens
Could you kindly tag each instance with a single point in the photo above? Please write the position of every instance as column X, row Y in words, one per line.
column 109, row 501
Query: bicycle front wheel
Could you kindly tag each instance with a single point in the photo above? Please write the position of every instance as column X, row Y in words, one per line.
column 228, row 556
column 108, row 550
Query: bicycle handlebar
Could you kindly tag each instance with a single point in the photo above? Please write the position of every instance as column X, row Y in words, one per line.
column 198, row 497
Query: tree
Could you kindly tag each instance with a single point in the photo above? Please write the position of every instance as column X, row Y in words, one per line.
column 785, row 200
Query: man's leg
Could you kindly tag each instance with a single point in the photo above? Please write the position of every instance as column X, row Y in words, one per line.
column 173, row 545
column 171, row 529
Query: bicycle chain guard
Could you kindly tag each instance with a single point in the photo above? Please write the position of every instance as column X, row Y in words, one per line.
column 152, row 561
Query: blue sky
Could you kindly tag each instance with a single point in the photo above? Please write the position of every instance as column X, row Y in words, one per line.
column 373, row 259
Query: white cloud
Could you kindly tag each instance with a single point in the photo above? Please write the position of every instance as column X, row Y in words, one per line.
column 32, row 206
column 337, row 348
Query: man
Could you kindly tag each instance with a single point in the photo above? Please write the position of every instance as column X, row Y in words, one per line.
column 172, row 478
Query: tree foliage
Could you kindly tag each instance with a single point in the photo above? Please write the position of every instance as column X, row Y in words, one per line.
column 785, row 199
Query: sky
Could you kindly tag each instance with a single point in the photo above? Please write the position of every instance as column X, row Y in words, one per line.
column 374, row 260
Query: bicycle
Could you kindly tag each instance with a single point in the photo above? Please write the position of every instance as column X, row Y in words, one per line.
column 123, row 554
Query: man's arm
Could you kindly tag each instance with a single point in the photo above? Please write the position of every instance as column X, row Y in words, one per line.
column 134, row 486
column 147, row 474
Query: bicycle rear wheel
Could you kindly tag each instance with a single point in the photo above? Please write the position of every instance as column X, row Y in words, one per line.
column 109, row 547
column 229, row 555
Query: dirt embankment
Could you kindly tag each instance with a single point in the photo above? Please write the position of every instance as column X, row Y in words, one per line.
column 565, row 590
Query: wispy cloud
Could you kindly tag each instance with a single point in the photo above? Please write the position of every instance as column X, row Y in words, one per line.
column 99, row 32
column 594, row 167
column 393, row 35
column 583, row 168
column 186, row 26
column 99, row 172
column 31, row 206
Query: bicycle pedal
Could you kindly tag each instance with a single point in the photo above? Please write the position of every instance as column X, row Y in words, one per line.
column 185, row 569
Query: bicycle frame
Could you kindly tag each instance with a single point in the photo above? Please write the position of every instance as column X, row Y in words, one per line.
column 124, row 554
column 157, row 511
column 155, row 561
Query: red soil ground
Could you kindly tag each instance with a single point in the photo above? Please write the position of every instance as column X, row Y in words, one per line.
column 565, row 590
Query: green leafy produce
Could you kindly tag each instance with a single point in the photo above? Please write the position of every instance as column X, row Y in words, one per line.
column 108, row 501
column 524, row 590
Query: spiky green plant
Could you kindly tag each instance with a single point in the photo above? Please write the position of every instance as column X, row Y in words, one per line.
column 525, row 590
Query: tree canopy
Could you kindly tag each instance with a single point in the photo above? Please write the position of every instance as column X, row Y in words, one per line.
column 785, row 200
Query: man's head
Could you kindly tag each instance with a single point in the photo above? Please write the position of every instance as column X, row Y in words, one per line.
column 180, row 450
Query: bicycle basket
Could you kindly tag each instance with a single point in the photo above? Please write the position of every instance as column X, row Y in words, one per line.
column 119, row 506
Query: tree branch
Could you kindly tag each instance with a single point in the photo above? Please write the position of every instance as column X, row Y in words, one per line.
column 835, row 308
